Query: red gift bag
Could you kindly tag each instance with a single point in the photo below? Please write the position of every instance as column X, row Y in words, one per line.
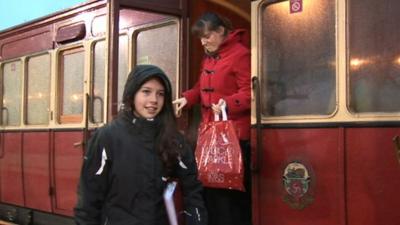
column 218, row 155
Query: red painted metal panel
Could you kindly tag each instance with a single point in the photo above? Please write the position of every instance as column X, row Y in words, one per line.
column 321, row 152
column 11, row 170
column 67, row 166
column 36, row 163
column 373, row 178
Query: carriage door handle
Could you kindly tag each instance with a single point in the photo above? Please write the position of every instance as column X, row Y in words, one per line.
column 396, row 141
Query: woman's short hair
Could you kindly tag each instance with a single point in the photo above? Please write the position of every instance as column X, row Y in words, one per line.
column 210, row 21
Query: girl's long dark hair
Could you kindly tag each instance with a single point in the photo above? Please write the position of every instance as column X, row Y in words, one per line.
column 169, row 141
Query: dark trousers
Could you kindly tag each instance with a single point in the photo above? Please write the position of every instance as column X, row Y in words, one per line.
column 231, row 207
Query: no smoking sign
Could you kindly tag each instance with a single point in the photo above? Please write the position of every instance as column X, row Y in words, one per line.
column 296, row 6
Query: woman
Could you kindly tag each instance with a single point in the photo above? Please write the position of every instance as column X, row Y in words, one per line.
column 129, row 161
column 224, row 80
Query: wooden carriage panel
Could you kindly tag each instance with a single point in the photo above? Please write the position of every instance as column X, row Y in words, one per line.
column 21, row 44
column 36, row 167
column 373, row 176
column 67, row 160
column 320, row 199
column 11, row 190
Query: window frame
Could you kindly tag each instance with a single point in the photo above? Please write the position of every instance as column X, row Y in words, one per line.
column 73, row 118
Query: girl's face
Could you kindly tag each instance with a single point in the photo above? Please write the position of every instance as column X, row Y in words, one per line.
column 211, row 40
column 149, row 99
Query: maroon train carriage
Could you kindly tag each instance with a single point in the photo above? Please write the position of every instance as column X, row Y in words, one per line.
column 326, row 112
column 59, row 82
column 325, row 108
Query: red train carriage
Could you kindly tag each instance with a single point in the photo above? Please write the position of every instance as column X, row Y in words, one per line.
column 326, row 111
column 59, row 82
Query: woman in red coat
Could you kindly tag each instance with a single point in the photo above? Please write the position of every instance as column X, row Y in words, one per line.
column 224, row 80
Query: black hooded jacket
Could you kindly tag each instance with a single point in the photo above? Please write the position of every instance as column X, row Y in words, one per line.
column 122, row 178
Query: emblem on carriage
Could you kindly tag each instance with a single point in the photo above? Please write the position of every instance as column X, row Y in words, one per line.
column 296, row 181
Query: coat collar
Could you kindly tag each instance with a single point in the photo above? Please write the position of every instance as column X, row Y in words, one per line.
column 140, row 125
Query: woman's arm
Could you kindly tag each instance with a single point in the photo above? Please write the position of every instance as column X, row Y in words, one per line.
column 240, row 101
column 192, row 95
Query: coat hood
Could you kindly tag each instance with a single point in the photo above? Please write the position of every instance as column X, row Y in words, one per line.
column 237, row 36
column 141, row 74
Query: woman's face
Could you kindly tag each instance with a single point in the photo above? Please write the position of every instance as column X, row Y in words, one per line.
column 211, row 40
column 149, row 99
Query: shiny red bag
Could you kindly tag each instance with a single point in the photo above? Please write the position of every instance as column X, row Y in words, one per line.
column 219, row 156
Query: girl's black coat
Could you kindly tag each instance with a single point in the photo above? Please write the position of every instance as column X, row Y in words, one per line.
column 127, row 189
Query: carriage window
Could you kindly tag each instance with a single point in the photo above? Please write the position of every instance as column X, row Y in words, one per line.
column 374, row 57
column 97, row 103
column 12, row 89
column 154, row 47
column 122, row 65
column 97, row 95
column 298, row 59
column 38, row 90
column 71, row 82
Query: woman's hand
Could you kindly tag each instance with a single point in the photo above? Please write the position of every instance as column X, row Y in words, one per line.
column 217, row 107
column 179, row 104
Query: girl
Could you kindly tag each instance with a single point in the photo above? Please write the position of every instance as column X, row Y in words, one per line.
column 129, row 161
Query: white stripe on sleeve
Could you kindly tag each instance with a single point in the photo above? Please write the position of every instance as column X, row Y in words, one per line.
column 103, row 162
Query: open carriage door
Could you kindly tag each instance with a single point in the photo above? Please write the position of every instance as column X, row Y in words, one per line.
column 149, row 32
column 146, row 32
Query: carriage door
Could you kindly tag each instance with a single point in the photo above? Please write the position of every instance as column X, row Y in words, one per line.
column 68, row 135
column 155, row 38
column 297, row 159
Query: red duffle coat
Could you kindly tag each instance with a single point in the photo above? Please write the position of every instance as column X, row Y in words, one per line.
column 226, row 75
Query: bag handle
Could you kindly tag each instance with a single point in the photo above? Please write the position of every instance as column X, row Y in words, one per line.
column 224, row 114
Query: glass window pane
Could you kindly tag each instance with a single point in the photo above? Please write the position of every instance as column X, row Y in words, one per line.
column 298, row 59
column 374, row 62
column 12, row 78
column 122, row 66
column 38, row 90
column 155, row 47
column 71, row 82
column 97, row 101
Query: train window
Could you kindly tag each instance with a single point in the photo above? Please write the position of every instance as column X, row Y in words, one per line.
column 122, row 65
column 97, row 96
column 298, row 59
column 374, row 57
column 12, row 93
column 71, row 80
column 38, row 90
column 154, row 47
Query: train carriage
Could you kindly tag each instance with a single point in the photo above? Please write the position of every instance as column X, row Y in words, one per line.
column 326, row 112
column 62, row 77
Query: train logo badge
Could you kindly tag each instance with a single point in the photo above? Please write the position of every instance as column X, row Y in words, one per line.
column 296, row 181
